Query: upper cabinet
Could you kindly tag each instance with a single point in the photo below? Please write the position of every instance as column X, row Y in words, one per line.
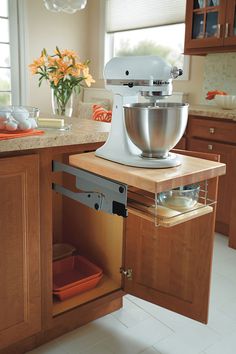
column 210, row 26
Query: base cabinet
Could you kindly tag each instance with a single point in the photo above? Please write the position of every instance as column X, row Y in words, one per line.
column 227, row 154
column 20, row 296
column 169, row 267
column 218, row 136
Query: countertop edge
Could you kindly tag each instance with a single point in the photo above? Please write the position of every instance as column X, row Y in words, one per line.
column 82, row 132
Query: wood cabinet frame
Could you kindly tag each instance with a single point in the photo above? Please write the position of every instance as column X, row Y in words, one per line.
column 207, row 134
column 183, row 296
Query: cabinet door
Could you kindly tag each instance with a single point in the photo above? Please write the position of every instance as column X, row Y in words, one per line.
column 204, row 23
column 171, row 267
column 227, row 154
column 20, row 301
column 230, row 25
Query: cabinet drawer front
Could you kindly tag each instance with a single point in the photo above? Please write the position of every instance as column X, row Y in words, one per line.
column 227, row 154
column 224, row 150
column 212, row 130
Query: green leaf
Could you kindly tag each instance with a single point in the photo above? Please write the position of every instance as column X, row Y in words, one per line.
column 59, row 53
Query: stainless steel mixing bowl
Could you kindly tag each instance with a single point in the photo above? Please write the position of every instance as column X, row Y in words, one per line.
column 155, row 128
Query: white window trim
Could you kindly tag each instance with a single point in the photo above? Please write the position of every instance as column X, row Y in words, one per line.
column 18, row 52
column 102, row 38
column 185, row 76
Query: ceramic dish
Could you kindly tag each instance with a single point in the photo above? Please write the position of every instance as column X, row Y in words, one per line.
column 74, row 274
column 225, row 102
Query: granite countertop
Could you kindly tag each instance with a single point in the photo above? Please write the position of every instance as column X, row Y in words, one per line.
column 213, row 112
column 82, row 131
column 85, row 131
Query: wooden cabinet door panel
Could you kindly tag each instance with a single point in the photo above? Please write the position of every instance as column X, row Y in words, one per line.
column 20, row 302
column 171, row 267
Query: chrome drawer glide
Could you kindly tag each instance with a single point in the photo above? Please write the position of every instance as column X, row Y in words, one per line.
column 96, row 192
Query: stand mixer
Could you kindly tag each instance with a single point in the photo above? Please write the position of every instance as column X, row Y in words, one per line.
column 142, row 134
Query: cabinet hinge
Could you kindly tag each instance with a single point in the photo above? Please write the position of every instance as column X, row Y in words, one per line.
column 127, row 273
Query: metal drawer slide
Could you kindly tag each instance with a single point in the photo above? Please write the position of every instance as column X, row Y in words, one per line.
column 95, row 191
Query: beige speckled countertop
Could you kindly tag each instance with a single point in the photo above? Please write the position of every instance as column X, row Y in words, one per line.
column 83, row 131
column 213, row 112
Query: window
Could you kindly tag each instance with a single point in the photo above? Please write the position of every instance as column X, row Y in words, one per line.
column 147, row 27
column 12, row 87
column 5, row 74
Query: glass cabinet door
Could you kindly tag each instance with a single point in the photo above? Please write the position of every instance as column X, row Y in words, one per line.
column 230, row 23
column 206, row 22
column 205, row 19
column 210, row 24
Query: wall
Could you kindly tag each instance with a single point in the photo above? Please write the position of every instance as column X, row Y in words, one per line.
column 96, row 19
column 219, row 74
column 83, row 32
column 193, row 86
column 46, row 29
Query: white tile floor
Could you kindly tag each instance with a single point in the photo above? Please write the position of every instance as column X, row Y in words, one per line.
column 141, row 327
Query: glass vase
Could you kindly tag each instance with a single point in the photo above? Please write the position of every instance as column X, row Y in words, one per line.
column 62, row 102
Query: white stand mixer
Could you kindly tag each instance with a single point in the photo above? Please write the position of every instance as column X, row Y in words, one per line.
column 126, row 77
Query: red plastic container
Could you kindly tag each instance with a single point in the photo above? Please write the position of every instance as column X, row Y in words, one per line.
column 73, row 275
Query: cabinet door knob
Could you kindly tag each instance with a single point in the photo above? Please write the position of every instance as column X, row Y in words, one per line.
column 211, row 130
column 210, row 147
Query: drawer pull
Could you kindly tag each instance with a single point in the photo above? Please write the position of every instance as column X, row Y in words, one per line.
column 211, row 130
column 218, row 30
column 210, row 147
column 226, row 30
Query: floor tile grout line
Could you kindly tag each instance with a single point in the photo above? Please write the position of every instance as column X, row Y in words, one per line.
column 153, row 316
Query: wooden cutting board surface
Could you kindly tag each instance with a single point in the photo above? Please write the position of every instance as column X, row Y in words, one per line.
column 191, row 170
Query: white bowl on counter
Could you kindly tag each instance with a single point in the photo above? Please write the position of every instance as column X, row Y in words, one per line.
column 225, row 102
column 14, row 118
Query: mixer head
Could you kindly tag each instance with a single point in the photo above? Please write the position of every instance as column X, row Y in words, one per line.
column 150, row 76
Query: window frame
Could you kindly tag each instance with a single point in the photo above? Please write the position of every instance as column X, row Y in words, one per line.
column 18, row 52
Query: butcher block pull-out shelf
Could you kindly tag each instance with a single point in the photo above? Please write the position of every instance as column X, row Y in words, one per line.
column 145, row 184
column 190, row 171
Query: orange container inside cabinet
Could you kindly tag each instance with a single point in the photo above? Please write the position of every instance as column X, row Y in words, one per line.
column 73, row 275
